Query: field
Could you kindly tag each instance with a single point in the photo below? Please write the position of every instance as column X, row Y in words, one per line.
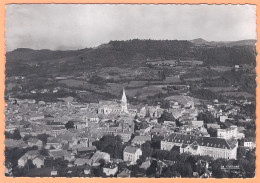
column 222, row 89
column 221, row 68
column 238, row 94
column 142, row 93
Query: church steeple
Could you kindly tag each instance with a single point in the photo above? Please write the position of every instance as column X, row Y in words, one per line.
column 124, row 102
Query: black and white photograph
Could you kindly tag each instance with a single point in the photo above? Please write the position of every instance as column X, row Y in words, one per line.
column 127, row 90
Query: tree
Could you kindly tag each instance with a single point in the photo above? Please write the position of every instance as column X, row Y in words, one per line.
column 43, row 137
column 156, row 141
column 166, row 117
column 151, row 171
column 207, row 117
column 69, row 124
column 212, row 132
column 44, row 152
column 241, row 152
column 15, row 135
column 110, row 144
column 147, row 151
column 187, row 170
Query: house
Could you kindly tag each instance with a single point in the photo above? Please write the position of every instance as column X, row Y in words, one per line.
column 79, row 125
column 85, row 150
column 98, row 156
column 34, row 142
column 228, row 133
column 145, row 165
column 35, row 117
column 203, row 146
column 8, row 169
column 250, row 144
column 110, row 169
column 28, row 155
column 38, row 161
column 132, row 154
column 196, row 124
column 54, row 173
column 32, row 154
column 223, row 119
column 124, row 174
column 61, row 154
column 22, row 161
column 53, row 143
column 87, row 170
column 55, row 131
column 213, row 125
column 82, row 161
column 139, row 140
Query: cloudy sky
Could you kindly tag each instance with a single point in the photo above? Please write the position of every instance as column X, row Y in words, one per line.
column 63, row 27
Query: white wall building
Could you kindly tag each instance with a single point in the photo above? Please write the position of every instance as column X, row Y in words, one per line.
column 132, row 154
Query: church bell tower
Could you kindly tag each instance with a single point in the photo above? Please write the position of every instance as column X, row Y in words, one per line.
column 124, row 102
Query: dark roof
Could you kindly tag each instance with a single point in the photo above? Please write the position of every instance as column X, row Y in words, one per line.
column 130, row 149
column 201, row 141
column 91, row 148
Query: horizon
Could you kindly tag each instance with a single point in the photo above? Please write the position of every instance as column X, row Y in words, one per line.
column 129, row 40
column 78, row 26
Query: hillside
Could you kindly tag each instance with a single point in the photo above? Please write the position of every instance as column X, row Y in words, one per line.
column 131, row 53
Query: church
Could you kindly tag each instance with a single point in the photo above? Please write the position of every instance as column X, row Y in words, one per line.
column 115, row 108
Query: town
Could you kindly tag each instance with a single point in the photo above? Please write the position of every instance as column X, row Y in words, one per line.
column 113, row 138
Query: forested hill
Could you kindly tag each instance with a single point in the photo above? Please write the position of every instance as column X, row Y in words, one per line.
column 134, row 53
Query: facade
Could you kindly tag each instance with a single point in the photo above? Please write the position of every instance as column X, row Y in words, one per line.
column 249, row 144
column 228, row 133
column 100, row 155
column 132, row 154
column 38, row 161
column 110, row 169
column 203, row 146
column 22, row 161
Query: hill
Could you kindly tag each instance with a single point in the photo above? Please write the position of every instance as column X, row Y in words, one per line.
column 131, row 53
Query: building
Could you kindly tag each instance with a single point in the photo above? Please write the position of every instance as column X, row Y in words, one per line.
column 82, row 161
column 132, row 154
column 22, row 161
column 203, row 146
column 213, row 125
column 250, row 144
column 110, row 169
column 34, row 142
column 223, row 119
column 100, row 155
column 124, row 174
column 139, row 140
column 38, row 161
column 228, row 133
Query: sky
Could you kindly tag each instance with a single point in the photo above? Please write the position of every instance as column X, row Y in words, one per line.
column 74, row 26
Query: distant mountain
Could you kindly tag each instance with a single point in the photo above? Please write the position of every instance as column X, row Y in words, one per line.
column 131, row 53
column 199, row 41
column 248, row 42
column 26, row 54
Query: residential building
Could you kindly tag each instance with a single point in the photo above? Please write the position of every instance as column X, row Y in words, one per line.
column 38, row 161
column 132, row 154
column 139, row 140
column 248, row 143
column 110, row 169
column 228, row 133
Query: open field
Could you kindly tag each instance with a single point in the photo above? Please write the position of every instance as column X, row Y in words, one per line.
column 222, row 89
column 220, row 68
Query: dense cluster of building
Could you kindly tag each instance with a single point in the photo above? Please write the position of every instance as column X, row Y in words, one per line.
column 94, row 120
